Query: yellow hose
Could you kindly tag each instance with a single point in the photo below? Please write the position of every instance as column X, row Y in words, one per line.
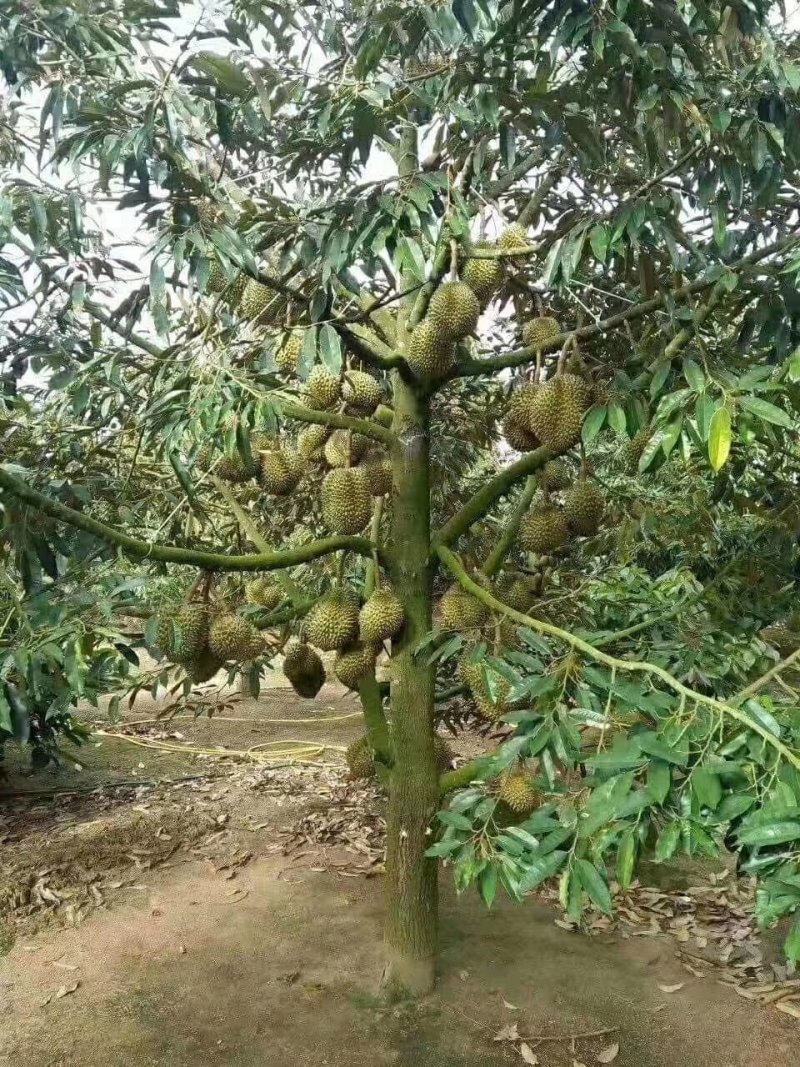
column 253, row 722
column 303, row 753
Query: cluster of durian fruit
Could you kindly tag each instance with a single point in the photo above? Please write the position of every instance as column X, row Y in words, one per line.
column 358, row 470
column 456, row 305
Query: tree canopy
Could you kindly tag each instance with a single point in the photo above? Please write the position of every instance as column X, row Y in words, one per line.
column 224, row 231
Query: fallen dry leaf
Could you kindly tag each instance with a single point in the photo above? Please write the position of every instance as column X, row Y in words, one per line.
column 788, row 1009
column 528, row 1055
column 507, row 1033
column 608, row 1055
column 671, row 988
column 65, row 990
column 577, row 1063
column 511, row 1007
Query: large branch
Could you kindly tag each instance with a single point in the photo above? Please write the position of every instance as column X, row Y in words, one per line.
column 479, row 504
column 494, row 561
column 492, row 364
column 213, row 561
column 453, row 564
column 366, row 427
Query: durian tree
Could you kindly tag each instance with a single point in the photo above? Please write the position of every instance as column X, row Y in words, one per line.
column 456, row 334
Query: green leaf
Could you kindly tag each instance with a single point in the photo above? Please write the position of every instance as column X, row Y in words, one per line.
column 694, row 375
column 667, row 842
column 766, row 411
column 616, row 418
column 703, row 412
column 593, row 424
column 719, row 438
column 224, row 72
column 659, row 780
column 599, row 240
column 539, row 868
column 443, row 848
column 488, row 885
column 774, row 833
column 330, row 348
column 706, row 787
column 626, row 858
column 595, row 885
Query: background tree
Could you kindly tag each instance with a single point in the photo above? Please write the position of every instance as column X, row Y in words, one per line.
column 363, row 253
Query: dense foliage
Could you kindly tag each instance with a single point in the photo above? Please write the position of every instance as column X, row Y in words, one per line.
column 187, row 196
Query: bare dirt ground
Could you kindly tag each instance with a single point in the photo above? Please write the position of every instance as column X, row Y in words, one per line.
column 231, row 916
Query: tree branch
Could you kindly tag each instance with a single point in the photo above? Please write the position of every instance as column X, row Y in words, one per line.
column 477, row 506
column 375, row 720
column 462, row 776
column 491, row 364
column 495, row 559
column 365, row 427
column 212, row 561
column 453, row 564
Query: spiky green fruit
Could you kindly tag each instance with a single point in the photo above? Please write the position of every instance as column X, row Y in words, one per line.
column 516, row 424
column 281, row 471
column 235, row 291
column 516, row 592
column 361, row 392
column 540, row 331
column 304, row 669
column 217, row 279
column 360, row 758
column 518, row 791
column 460, row 610
column 556, row 475
column 323, row 387
column 190, row 632
column 235, row 469
column 346, row 500
column 512, row 238
column 442, row 752
column 353, row 664
column 345, row 448
column 311, row 441
column 483, row 276
column 543, row 529
column 429, row 354
column 584, row 507
column 454, row 311
column 557, row 411
column 634, row 450
column 288, row 353
column 378, row 472
column 333, row 622
column 232, row 637
column 381, row 617
column 255, row 299
column 203, row 667
column 263, row 592
column 488, row 688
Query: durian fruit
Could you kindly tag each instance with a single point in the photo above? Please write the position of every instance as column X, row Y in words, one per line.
column 310, row 441
column 203, row 667
column 516, row 424
column 190, row 632
column 460, row 610
column 164, row 639
column 483, row 276
column 518, row 791
column 281, row 470
column 217, row 279
column 255, row 298
column 232, row 637
column 512, row 238
column 344, row 448
column 540, row 331
column 378, row 472
column 454, row 311
column 360, row 758
column 333, row 621
column 429, row 354
column 489, row 688
column 289, row 351
column 381, row 617
column 235, row 290
column 556, row 475
column 442, row 752
column 264, row 593
column 346, row 500
column 583, row 508
column 517, row 592
column 557, row 411
column 354, row 663
column 361, row 392
column 234, row 469
column 634, row 449
column 323, row 387
column 304, row 669
column 543, row 529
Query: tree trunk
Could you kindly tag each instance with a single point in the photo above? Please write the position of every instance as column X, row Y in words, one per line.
column 411, row 879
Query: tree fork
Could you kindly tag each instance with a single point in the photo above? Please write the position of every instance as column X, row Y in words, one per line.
column 411, row 878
